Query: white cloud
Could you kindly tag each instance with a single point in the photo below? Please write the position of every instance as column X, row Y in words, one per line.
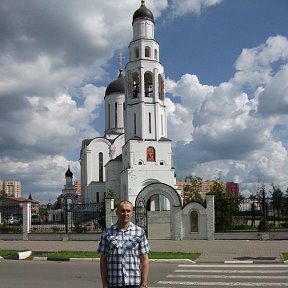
column 52, row 53
column 274, row 99
column 182, row 7
column 230, row 126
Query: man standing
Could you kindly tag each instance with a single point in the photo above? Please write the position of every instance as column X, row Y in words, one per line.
column 124, row 252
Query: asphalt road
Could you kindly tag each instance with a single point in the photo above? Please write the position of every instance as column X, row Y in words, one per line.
column 44, row 274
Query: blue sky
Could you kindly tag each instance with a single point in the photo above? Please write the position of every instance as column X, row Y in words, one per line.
column 209, row 44
column 226, row 65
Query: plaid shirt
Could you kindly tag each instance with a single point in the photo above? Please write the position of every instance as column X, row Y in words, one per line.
column 123, row 250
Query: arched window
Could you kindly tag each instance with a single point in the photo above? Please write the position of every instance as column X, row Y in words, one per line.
column 162, row 126
column 160, row 87
column 136, row 85
column 194, row 226
column 150, row 154
column 147, row 51
column 156, row 54
column 137, row 54
column 100, row 158
column 116, row 124
column 148, row 84
column 135, row 124
column 109, row 119
column 150, row 128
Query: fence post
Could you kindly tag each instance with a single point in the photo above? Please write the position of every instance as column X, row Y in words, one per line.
column 210, row 208
column 109, row 207
column 26, row 220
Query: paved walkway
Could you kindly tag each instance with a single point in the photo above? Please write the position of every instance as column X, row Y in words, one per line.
column 211, row 251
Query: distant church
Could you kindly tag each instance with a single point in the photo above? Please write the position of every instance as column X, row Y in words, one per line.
column 134, row 152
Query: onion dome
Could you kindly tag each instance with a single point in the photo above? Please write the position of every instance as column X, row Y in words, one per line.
column 116, row 86
column 68, row 172
column 143, row 13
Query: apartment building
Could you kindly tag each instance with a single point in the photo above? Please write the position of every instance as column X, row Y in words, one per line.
column 11, row 188
column 231, row 188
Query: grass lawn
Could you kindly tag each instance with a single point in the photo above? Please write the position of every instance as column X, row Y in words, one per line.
column 152, row 255
column 285, row 256
column 89, row 254
column 4, row 253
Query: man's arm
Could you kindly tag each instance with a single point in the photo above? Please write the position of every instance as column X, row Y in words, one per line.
column 104, row 271
column 144, row 269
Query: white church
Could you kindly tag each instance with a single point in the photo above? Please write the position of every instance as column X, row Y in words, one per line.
column 135, row 153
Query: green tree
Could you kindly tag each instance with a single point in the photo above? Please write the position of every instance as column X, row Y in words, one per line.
column 43, row 213
column 192, row 191
column 277, row 198
column 102, row 217
column 2, row 193
column 223, row 216
column 57, row 204
column 285, row 204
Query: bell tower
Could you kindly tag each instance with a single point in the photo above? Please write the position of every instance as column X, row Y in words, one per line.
column 147, row 152
column 145, row 109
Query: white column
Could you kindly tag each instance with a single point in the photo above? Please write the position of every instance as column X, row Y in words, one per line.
column 109, row 207
column 210, row 210
column 176, row 229
column 26, row 220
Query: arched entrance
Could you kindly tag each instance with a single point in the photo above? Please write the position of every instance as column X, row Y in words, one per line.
column 175, row 206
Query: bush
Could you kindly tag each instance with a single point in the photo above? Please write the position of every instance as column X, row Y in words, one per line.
column 55, row 229
column 4, row 228
column 242, row 227
column 78, row 227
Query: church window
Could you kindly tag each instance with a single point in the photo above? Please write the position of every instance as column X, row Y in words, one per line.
column 100, row 156
column 97, row 197
column 194, row 227
column 116, row 124
column 137, row 54
column 162, row 128
column 136, row 85
column 140, row 163
column 150, row 154
column 123, row 110
column 161, row 163
column 160, row 87
column 156, row 54
column 135, row 124
column 147, row 51
column 148, row 84
column 150, row 123
column 109, row 119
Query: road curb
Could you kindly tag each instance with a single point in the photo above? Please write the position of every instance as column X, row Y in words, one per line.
column 19, row 255
column 238, row 262
column 173, row 260
column 36, row 258
column 84, row 259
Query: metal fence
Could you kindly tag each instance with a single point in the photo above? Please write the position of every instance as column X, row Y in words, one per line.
column 72, row 218
column 11, row 218
column 246, row 214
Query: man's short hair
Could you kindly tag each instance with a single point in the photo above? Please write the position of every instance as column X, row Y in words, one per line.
column 124, row 202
